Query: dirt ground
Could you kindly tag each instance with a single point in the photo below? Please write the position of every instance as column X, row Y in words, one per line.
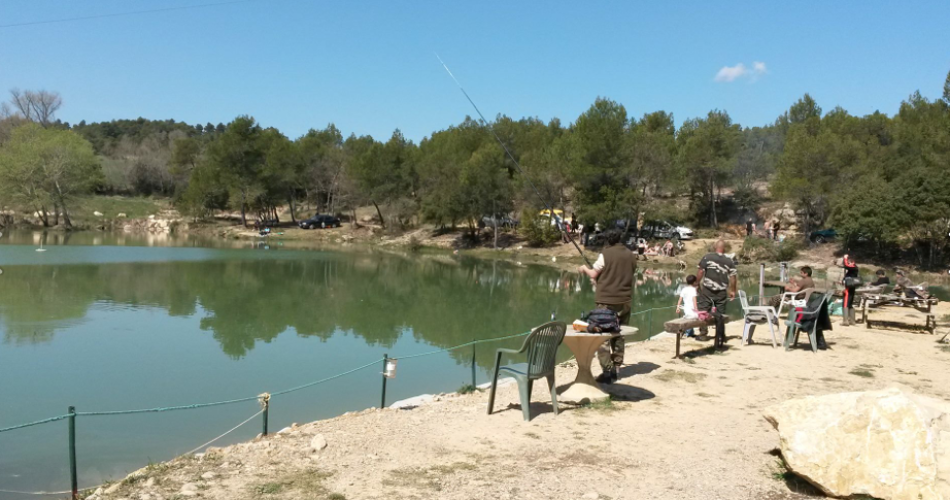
column 674, row 429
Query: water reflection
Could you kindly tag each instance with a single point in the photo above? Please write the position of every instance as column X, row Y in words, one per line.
column 243, row 302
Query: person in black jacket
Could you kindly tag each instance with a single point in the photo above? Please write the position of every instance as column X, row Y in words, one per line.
column 851, row 283
column 882, row 278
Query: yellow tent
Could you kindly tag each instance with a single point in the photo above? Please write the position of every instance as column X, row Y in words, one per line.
column 547, row 213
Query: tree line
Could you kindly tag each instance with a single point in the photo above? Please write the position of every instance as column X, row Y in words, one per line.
column 876, row 178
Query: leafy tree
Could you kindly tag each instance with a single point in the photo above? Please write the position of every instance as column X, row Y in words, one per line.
column 652, row 143
column 238, row 157
column 599, row 159
column 707, row 150
column 385, row 173
column 282, row 173
column 47, row 168
column 870, row 210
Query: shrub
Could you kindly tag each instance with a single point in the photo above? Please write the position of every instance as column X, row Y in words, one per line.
column 788, row 250
column 537, row 230
column 414, row 244
column 755, row 250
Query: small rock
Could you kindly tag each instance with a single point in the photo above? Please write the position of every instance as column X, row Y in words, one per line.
column 591, row 496
column 285, row 430
column 318, row 442
column 121, row 216
column 150, row 482
column 112, row 489
column 189, row 489
column 97, row 213
column 207, row 476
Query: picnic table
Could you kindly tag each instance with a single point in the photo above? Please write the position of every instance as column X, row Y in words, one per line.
column 584, row 346
column 875, row 300
column 680, row 325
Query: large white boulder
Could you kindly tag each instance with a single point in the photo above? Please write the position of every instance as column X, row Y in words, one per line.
column 889, row 444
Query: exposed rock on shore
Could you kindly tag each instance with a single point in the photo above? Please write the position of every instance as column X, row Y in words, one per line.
column 889, row 444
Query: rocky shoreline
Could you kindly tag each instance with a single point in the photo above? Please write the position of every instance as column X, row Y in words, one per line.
column 694, row 430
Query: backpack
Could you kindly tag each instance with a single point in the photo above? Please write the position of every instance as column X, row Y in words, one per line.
column 603, row 321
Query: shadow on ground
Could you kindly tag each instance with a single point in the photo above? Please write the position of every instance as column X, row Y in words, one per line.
column 794, row 482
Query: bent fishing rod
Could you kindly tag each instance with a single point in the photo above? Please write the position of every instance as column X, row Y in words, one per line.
column 544, row 201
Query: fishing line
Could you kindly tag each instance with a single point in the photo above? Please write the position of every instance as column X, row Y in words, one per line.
column 517, row 165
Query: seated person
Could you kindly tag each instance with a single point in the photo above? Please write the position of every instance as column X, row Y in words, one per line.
column 668, row 248
column 803, row 282
column 882, row 278
column 911, row 291
column 655, row 250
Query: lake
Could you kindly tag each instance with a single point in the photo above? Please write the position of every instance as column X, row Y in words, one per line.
column 113, row 322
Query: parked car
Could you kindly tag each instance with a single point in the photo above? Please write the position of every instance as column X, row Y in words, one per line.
column 823, row 236
column 322, row 221
column 501, row 221
column 665, row 230
column 598, row 240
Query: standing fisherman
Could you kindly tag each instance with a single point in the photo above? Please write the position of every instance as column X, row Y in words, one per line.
column 613, row 273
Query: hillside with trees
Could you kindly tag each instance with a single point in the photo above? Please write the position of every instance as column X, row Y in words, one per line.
column 880, row 180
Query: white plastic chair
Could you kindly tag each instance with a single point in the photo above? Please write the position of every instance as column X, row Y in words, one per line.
column 755, row 315
column 788, row 298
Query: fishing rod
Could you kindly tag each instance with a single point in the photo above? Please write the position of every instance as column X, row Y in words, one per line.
column 544, row 201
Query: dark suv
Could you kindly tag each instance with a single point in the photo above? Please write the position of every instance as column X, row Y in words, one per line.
column 322, row 221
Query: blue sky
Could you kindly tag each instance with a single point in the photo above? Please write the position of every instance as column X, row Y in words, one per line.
column 370, row 67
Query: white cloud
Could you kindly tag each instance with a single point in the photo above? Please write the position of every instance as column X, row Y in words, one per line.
column 732, row 73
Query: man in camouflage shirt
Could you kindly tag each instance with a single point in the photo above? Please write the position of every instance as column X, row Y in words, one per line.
column 717, row 283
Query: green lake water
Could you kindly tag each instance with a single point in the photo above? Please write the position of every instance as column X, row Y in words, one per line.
column 113, row 322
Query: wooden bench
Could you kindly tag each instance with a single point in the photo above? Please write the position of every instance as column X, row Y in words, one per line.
column 679, row 326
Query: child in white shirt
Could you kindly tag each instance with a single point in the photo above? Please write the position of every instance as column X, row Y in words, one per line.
column 687, row 302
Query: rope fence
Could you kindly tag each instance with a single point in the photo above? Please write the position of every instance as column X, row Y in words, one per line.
column 264, row 400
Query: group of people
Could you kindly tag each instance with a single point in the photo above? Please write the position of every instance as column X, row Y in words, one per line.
column 614, row 272
column 706, row 292
column 771, row 229
column 644, row 250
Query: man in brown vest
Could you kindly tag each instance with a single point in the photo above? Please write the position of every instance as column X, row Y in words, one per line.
column 613, row 274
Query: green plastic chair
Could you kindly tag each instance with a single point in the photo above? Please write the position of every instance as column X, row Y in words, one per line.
column 541, row 348
column 795, row 327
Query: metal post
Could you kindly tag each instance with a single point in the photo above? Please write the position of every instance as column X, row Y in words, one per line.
column 73, row 480
column 265, row 403
column 382, row 401
column 473, row 363
column 761, row 284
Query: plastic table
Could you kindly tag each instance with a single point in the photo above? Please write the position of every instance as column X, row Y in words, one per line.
column 584, row 346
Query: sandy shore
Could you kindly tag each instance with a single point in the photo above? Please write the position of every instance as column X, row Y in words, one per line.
column 675, row 429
